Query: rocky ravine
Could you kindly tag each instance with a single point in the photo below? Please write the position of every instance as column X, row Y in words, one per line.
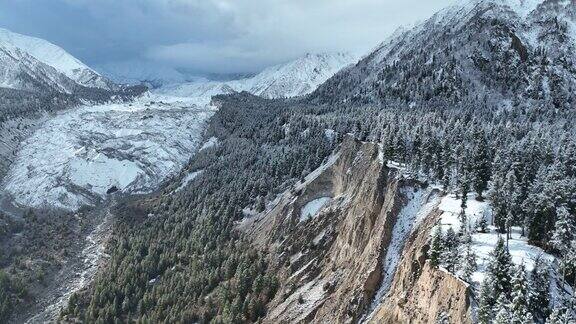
column 334, row 261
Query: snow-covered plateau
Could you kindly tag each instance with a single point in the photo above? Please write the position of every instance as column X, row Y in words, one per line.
column 84, row 154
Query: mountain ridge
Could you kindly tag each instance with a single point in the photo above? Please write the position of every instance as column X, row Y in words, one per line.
column 294, row 78
column 449, row 56
column 30, row 63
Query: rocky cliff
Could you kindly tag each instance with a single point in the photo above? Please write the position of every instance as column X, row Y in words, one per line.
column 337, row 260
column 420, row 293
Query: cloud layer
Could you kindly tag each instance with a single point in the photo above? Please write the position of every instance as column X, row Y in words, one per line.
column 211, row 36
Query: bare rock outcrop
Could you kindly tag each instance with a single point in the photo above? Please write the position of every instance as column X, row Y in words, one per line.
column 419, row 292
column 331, row 263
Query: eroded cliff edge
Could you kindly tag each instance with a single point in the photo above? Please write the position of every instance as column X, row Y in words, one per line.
column 358, row 254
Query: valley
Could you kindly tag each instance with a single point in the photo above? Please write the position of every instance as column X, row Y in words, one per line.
column 431, row 180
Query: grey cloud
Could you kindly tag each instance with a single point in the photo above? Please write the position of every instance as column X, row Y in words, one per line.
column 211, row 35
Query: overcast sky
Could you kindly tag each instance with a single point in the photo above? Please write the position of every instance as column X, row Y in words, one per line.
column 211, row 36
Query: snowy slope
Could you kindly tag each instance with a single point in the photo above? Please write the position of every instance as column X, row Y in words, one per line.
column 19, row 70
column 23, row 55
column 474, row 47
column 295, row 78
column 77, row 157
column 484, row 243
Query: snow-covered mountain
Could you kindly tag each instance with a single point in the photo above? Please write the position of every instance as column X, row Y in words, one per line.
column 503, row 49
column 75, row 158
column 29, row 63
column 295, row 78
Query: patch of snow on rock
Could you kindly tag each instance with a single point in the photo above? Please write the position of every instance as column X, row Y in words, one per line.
column 211, row 142
column 311, row 209
column 188, row 178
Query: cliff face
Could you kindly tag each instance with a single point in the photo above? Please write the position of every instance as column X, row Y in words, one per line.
column 333, row 259
column 420, row 293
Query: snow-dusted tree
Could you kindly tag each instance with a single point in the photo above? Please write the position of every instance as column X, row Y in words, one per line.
column 481, row 164
column 559, row 316
column 499, row 268
column 539, row 294
column 465, row 234
column 260, row 204
column 443, row 318
column 464, row 230
column 436, row 247
column 509, row 222
column 564, row 231
column 482, row 225
column 539, row 207
column 464, row 189
column 502, row 310
column 469, row 263
column 450, row 255
column 486, row 301
column 504, row 218
column 446, row 181
column 520, row 313
column 564, row 241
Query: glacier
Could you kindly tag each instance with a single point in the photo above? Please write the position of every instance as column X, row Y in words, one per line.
column 80, row 155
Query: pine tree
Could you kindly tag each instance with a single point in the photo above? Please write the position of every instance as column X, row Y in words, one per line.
column 450, row 255
column 487, row 300
column 260, row 204
column 470, row 264
column 499, row 268
column 564, row 242
column 502, row 310
column 465, row 231
column 481, row 165
column 464, row 188
column 519, row 305
column 482, row 225
column 443, row 318
column 564, row 231
column 539, row 295
column 436, row 247
column 558, row 316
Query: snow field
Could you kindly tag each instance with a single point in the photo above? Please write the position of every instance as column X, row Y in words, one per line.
column 484, row 243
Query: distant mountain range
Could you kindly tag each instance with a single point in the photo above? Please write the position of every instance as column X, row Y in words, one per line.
column 295, row 78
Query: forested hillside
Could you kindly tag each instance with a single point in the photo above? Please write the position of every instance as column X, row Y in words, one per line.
column 478, row 99
column 522, row 159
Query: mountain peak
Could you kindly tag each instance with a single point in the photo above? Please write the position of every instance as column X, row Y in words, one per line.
column 50, row 55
